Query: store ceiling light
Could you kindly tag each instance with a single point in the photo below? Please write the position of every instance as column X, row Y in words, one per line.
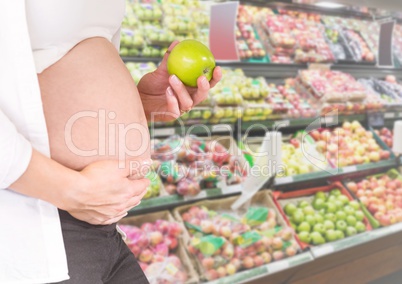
column 331, row 5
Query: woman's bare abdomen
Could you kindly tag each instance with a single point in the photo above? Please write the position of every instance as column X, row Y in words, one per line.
column 92, row 107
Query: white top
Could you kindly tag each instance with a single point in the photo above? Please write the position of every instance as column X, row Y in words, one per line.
column 31, row 242
column 56, row 26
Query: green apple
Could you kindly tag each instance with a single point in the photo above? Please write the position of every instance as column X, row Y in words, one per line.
column 330, row 207
column 310, row 219
column 351, row 220
column 303, row 204
column 336, row 192
column 318, row 218
column 340, row 215
column 359, row 215
column 304, row 237
column 308, row 210
column 189, row 60
column 340, row 234
column 293, row 225
column 329, row 225
column 304, row 227
column 319, row 228
column 318, row 203
column 354, row 204
column 290, row 208
column 320, row 195
column 344, row 199
column 298, row 216
column 360, row 227
column 332, row 198
column 339, row 204
column 317, row 238
column 350, row 231
column 322, row 212
column 331, row 235
column 349, row 210
column 330, row 217
column 341, row 225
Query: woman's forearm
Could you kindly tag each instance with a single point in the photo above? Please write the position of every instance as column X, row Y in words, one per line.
column 47, row 180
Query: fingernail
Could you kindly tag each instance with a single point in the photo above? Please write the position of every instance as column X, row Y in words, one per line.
column 175, row 80
column 204, row 82
column 169, row 91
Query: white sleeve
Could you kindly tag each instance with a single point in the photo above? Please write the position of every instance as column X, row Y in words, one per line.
column 15, row 152
column 116, row 39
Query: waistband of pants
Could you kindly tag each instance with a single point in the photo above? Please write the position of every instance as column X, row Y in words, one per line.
column 67, row 217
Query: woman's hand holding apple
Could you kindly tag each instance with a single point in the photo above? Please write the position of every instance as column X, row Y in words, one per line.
column 165, row 97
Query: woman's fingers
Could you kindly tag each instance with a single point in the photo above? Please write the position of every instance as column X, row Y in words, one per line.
column 163, row 65
column 216, row 76
column 183, row 97
column 173, row 110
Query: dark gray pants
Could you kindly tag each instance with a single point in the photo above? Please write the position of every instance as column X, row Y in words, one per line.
column 97, row 254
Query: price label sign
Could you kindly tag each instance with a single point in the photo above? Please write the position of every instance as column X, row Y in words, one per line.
column 222, row 38
column 375, row 119
column 389, row 115
column 221, row 128
column 162, row 132
column 349, row 169
column 322, row 250
column 385, row 49
column 283, row 180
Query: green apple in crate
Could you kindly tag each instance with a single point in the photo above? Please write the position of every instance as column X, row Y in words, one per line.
column 326, row 217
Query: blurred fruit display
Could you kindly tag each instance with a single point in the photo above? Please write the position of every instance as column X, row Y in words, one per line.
column 137, row 70
column 249, row 46
column 389, row 90
column 386, row 135
column 300, row 159
column 154, row 188
column 397, row 42
column 323, row 214
column 382, row 195
column 155, row 241
column 149, row 27
column 224, row 242
column 330, row 91
column 189, row 164
column 299, row 39
column 349, row 145
column 352, row 39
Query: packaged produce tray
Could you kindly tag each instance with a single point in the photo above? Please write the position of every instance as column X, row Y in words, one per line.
column 180, row 251
column 263, row 199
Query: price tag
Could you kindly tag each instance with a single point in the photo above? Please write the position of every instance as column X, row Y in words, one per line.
column 201, row 195
column 281, row 123
column 389, row 115
column 323, row 250
column 349, row 169
column 232, row 189
column 284, row 180
column 158, row 132
column 277, row 266
column 375, row 119
column 221, row 128
column 328, row 120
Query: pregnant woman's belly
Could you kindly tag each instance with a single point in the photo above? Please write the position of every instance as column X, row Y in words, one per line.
column 92, row 107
